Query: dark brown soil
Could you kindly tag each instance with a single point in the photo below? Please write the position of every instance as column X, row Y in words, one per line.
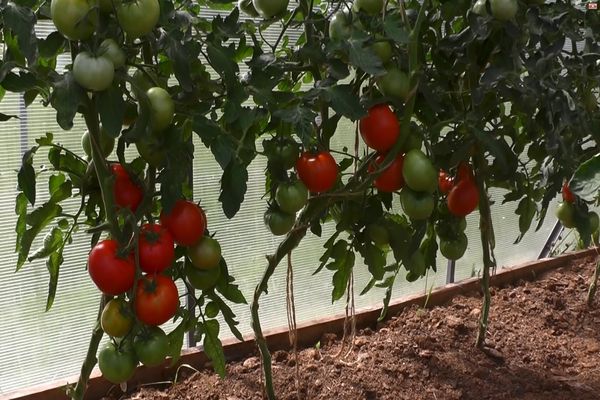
column 545, row 345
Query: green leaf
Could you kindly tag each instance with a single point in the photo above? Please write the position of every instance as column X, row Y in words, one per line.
column 526, row 211
column 21, row 225
column 223, row 60
column 394, row 28
column 375, row 259
column 52, row 242
column 21, row 21
column 60, row 189
column 52, row 45
column 302, row 119
column 363, row 56
column 65, row 161
column 233, row 187
column 22, row 82
column 213, row 347
column 26, row 175
column 53, row 264
column 345, row 102
column 6, row 117
column 228, row 316
column 586, row 180
column 176, row 342
column 388, row 296
column 38, row 220
column 343, row 263
column 111, row 107
column 66, row 98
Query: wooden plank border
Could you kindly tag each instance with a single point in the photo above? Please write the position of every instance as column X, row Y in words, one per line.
column 309, row 332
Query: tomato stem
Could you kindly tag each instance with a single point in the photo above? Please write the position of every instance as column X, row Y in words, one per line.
column 90, row 358
column 487, row 243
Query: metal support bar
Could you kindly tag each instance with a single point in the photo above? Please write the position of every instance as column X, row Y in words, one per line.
column 450, row 271
column 191, row 296
column 556, row 231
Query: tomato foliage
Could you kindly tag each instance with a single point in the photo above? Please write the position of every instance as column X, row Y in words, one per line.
column 486, row 86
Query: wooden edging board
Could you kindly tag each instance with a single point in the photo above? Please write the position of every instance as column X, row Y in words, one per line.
column 309, row 332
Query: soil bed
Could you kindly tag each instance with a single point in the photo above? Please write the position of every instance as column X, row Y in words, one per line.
column 545, row 345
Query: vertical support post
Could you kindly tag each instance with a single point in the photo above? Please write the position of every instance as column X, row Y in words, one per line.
column 191, row 296
column 554, row 234
column 450, row 271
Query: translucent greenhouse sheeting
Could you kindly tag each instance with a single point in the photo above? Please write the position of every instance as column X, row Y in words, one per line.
column 38, row 347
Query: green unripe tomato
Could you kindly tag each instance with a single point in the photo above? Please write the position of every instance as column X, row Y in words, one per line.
column 566, row 214
column 74, row 19
column 279, row 222
column 504, row 10
column 270, row 8
column 247, row 7
column 93, row 73
column 152, row 346
column 117, row 365
column 138, row 18
column 378, row 234
column 453, row 249
column 416, row 205
column 339, row 27
column 479, row 7
column 111, row 50
column 202, row 279
column 383, row 50
column 291, row 196
column 419, row 173
column 162, row 108
column 371, row 7
column 107, row 143
column 395, row 84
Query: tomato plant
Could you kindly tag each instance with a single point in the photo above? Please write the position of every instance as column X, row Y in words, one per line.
column 156, row 299
column 453, row 249
column 380, row 128
column 186, row 222
column 468, row 88
column 318, row 171
column 151, row 346
column 156, row 248
column 112, row 272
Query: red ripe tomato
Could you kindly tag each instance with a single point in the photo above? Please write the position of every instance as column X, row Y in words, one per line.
column 391, row 178
column 464, row 172
column 567, row 195
column 111, row 273
column 463, row 198
column 156, row 299
column 317, row 171
column 445, row 182
column 186, row 222
column 127, row 193
column 156, row 247
column 380, row 128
